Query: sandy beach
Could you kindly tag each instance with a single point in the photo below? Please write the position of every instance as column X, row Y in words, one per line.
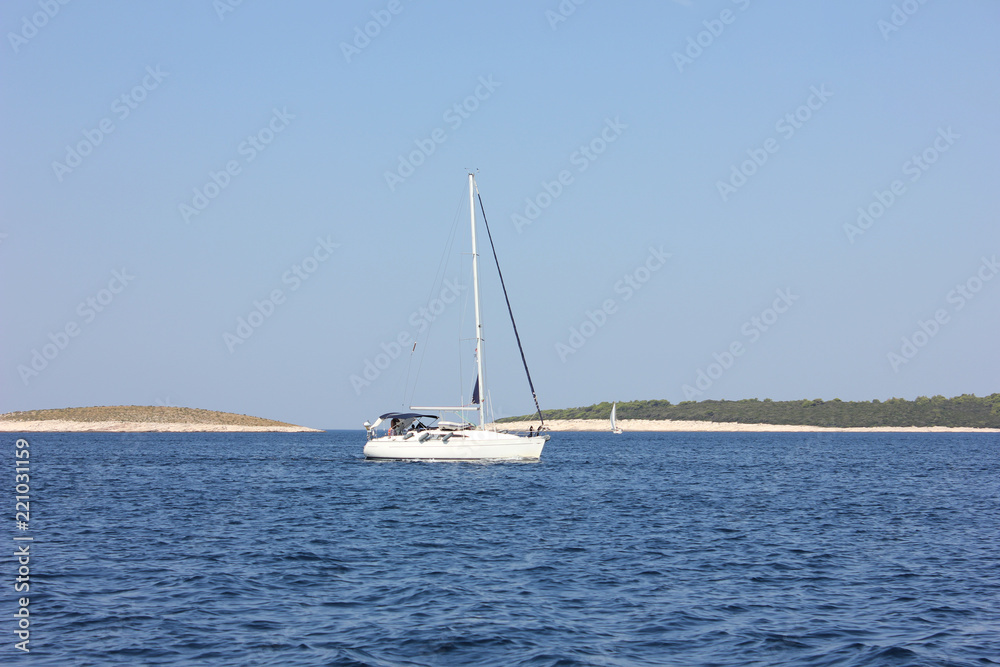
column 676, row 425
column 64, row 426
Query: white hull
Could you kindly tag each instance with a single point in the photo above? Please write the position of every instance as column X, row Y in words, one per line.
column 470, row 445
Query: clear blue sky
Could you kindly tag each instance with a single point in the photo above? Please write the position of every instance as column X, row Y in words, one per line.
column 287, row 120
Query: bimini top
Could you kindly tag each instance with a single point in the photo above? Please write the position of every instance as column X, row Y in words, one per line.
column 404, row 415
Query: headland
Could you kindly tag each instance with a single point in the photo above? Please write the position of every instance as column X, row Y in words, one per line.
column 140, row 419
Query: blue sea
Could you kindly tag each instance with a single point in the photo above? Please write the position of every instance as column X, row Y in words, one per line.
column 637, row 549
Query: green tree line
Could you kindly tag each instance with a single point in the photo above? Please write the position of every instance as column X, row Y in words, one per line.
column 966, row 410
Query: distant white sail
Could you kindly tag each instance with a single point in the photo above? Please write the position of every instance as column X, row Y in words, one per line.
column 614, row 422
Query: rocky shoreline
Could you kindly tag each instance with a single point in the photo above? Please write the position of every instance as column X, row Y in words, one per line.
column 140, row 419
column 66, row 426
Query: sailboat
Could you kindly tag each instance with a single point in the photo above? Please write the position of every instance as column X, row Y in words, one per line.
column 421, row 435
column 614, row 422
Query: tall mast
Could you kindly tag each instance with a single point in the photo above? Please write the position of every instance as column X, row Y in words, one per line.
column 475, row 287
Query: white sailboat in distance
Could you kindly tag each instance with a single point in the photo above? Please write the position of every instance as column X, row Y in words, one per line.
column 614, row 422
column 419, row 435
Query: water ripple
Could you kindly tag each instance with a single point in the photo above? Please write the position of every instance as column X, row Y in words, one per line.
column 642, row 549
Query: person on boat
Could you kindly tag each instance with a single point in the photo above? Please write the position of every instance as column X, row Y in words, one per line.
column 394, row 426
column 531, row 431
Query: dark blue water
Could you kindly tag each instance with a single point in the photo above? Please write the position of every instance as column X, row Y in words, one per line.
column 638, row 549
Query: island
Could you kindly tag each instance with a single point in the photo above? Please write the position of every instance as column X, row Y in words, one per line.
column 139, row 419
column 965, row 413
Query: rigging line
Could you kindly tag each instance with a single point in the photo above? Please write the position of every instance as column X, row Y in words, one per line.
column 461, row 304
column 462, row 346
column 409, row 365
column 442, row 268
column 509, row 311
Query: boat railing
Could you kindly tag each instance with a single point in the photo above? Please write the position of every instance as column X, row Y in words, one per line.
column 525, row 434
